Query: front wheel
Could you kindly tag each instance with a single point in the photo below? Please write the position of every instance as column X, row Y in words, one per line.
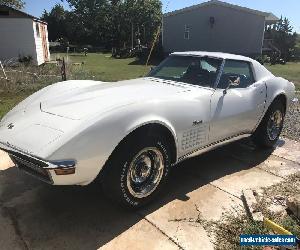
column 137, row 171
column 269, row 130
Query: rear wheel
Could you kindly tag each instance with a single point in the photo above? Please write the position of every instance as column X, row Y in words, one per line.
column 137, row 171
column 269, row 130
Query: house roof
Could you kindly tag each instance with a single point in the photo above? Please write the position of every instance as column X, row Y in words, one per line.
column 269, row 17
column 24, row 14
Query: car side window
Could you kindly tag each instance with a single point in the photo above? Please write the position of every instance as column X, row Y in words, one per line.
column 239, row 70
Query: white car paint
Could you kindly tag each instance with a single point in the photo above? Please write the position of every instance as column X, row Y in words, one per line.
column 84, row 121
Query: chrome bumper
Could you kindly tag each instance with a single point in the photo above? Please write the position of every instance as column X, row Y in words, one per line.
column 36, row 166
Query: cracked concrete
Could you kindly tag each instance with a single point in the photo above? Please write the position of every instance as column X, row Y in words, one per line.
column 34, row 215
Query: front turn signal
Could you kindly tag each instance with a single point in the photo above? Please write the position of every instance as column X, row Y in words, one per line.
column 61, row 171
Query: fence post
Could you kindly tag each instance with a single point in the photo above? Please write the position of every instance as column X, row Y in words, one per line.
column 3, row 70
column 63, row 70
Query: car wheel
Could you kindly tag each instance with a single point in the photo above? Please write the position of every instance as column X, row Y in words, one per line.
column 269, row 130
column 137, row 171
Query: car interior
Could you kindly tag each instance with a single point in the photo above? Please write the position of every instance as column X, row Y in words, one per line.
column 197, row 75
column 226, row 77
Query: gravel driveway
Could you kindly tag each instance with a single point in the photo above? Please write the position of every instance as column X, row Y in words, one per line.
column 292, row 122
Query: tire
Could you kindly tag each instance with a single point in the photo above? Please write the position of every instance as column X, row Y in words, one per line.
column 264, row 136
column 126, row 175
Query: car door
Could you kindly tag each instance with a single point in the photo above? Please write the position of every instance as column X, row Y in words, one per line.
column 236, row 110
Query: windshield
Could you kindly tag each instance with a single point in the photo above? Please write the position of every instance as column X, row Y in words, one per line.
column 201, row 71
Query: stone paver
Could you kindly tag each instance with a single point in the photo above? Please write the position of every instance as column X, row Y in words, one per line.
column 39, row 216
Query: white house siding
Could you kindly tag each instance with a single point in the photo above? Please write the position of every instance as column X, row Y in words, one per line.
column 16, row 38
column 39, row 43
column 234, row 31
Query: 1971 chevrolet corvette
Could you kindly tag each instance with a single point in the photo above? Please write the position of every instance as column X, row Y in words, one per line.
column 131, row 133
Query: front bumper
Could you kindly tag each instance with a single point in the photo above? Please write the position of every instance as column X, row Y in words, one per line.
column 37, row 167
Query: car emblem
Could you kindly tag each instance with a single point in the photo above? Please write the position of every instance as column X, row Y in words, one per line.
column 10, row 126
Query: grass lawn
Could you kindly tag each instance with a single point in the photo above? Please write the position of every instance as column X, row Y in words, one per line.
column 290, row 71
column 104, row 68
column 98, row 66
column 9, row 100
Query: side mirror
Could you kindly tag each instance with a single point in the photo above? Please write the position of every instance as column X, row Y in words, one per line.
column 234, row 81
column 152, row 68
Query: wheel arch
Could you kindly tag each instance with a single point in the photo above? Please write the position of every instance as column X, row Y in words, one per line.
column 151, row 127
column 282, row 98
column 154, row 128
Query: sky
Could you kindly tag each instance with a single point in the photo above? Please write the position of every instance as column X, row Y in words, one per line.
column 286, row 8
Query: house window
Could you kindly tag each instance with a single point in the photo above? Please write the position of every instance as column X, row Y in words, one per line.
column 37, row 28
column 187, row 30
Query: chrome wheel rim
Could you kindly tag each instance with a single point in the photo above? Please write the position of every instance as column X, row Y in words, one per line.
column 145, row 172
column 275, row 125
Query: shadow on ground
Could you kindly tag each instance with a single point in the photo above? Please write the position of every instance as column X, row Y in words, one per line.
column 81, row 218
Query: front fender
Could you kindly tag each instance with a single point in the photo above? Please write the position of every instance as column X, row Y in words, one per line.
column 92, row 147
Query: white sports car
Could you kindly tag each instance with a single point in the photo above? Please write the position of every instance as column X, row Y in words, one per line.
column 131, row 133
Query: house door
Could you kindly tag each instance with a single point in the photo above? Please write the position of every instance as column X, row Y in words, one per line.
column 44, row 42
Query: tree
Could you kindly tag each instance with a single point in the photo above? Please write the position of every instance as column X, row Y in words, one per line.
column 132, row 19
column 110, row 23
column 117, row 22
column 56, row 20
column 92, row 18
column 17, row 4
column 284, row 38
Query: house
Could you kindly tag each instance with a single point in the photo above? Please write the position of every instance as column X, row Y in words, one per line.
column 22, row 35
column 216, row 26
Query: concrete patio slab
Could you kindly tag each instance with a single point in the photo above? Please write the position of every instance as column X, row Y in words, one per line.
column 187, row 235
column 172, row 213
column 234, row 173
column 181, row 219
column 247, row 179
column 141, row 236
column 9, row 239
column 279, row 166
column 76, row 218
column 288, row 149
column 39, row 216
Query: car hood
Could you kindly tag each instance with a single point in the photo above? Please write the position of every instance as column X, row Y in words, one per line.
column 80, row 99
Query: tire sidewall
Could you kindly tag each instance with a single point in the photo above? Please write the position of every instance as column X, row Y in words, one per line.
column 261, row 137
column 276, row 107
column 126, row 197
